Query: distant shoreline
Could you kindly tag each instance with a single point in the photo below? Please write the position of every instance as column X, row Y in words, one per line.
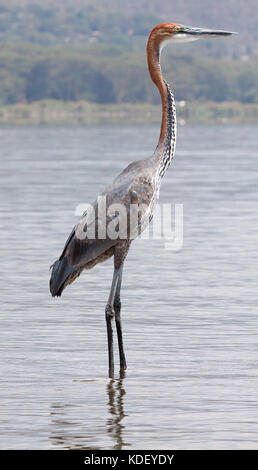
column 58, row 113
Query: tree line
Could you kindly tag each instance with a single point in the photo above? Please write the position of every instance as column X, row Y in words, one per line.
column 117, row 74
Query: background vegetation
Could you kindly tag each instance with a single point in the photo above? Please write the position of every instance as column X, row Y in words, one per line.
column 74, row 50
column 114, row 74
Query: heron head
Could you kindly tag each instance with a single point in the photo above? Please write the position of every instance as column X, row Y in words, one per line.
column 165, row 32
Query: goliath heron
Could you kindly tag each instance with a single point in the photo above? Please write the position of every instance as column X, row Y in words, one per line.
column 138, row 184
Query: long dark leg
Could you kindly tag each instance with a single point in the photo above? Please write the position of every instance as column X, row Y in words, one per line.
column 117, row 307
column 110, row 312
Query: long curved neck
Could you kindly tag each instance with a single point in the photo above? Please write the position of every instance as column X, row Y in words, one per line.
column 167, row 140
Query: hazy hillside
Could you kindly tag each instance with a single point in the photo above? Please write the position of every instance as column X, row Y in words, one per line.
column 127, row 22
column 92, row 50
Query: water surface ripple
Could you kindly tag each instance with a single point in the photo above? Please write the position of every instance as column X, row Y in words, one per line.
column 190, row 317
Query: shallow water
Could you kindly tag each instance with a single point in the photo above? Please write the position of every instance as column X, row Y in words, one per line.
column 189, row 317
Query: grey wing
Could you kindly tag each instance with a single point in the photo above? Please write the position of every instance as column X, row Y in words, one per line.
column 136, row 187
column 80, row 250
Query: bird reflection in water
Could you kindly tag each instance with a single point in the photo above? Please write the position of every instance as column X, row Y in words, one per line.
column 67, row 431
column 116, row 392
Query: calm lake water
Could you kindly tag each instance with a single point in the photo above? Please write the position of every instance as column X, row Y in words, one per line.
column 190, row 317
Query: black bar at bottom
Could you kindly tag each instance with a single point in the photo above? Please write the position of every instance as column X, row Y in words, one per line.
column 133, row 458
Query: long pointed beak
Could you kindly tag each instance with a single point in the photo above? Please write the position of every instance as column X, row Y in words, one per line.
column 201, row 33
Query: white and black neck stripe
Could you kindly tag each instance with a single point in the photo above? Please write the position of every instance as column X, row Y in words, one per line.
column 169, row 144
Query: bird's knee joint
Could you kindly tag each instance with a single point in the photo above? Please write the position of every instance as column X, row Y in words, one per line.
column 109, row 312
